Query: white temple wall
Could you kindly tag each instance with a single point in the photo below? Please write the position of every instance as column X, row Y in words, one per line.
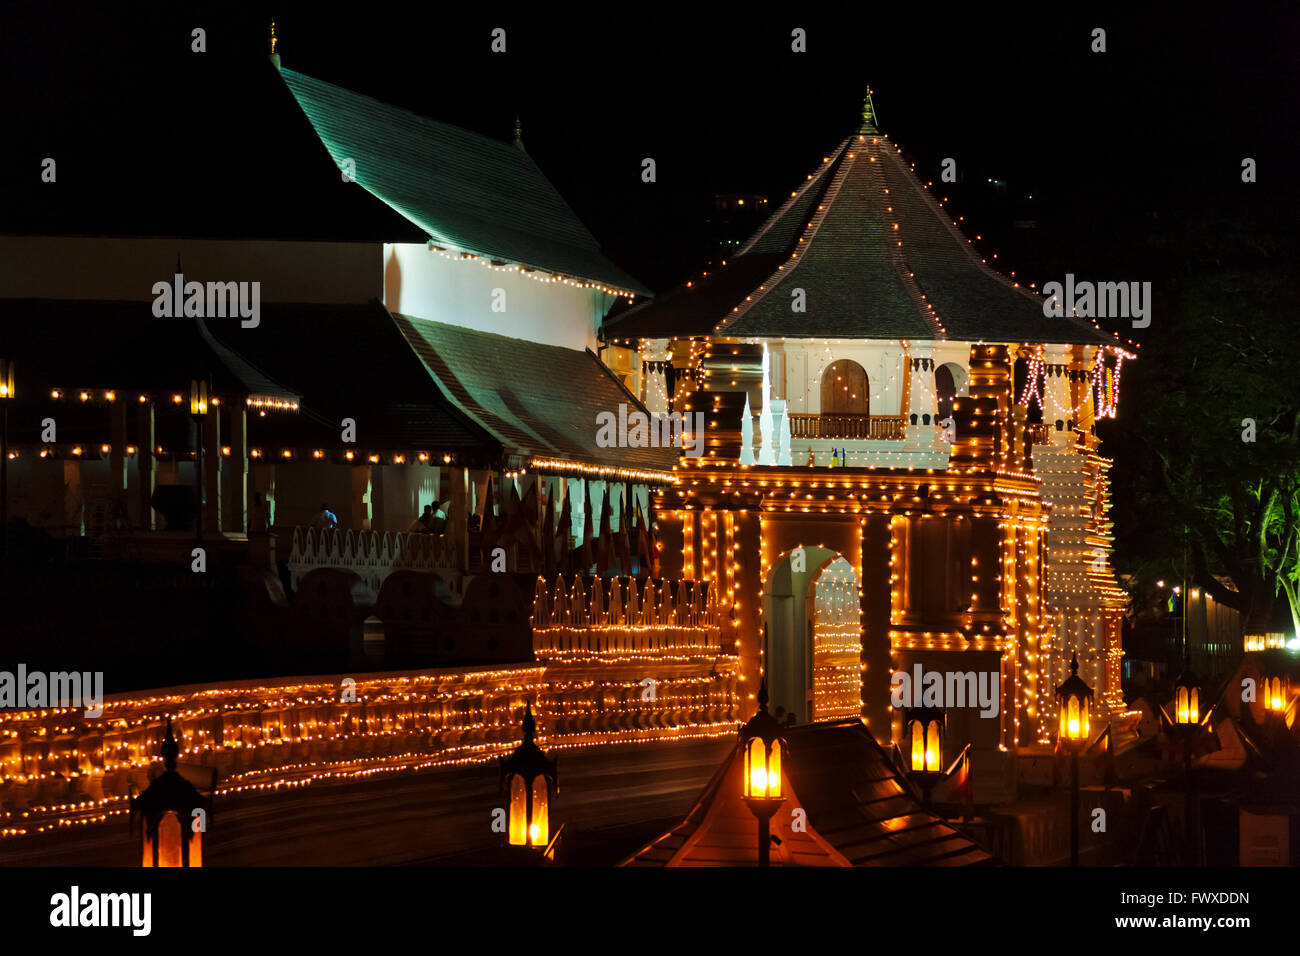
column 429, row 285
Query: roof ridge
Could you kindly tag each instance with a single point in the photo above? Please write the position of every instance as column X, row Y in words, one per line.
column 795, row 196
column 805, row 241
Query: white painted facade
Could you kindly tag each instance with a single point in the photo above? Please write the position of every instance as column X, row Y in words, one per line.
column 428, row 284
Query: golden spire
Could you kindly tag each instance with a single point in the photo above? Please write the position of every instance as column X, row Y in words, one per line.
column 275, row 57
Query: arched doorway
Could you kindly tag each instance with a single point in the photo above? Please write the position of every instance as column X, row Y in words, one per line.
column 812, row 636
column 950, row 382
column 845, row 389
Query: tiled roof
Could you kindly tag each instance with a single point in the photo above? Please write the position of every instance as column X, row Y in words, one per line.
column 536, row 400
column 467, row 192
column 860, row 812
column 861, row 277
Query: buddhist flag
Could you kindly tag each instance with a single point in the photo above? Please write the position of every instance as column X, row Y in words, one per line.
column 605, row 543
column 548, row 538
column 562, row 543
column 582, row 553
column 623, row 541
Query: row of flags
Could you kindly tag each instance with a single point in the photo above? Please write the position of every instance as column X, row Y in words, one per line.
column 549, row 544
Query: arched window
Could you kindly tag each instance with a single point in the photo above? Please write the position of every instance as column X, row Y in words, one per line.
column 945, row 389
column 844, row 389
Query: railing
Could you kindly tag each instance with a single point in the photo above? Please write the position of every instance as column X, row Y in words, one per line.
column 373, row 555
column 848, row 427
column 1040, row 434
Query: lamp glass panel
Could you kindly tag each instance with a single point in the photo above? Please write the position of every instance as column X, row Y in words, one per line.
column 169, row 840
column 774, row 770
column 918, row 744
column 756, row 769
column 518, row 811
column 933, row 746
column 539, row 833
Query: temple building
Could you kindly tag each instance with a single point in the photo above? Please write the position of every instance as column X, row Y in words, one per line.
column 890, row 419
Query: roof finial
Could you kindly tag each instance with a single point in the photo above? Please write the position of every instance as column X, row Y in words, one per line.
column 275, row 57
column 170, row 749
column 519, row 132
column 868, row 114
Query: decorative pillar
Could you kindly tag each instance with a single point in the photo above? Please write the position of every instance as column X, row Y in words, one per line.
column 146, row 464
column 212, row 471
column 875, row 613
column 239, row 476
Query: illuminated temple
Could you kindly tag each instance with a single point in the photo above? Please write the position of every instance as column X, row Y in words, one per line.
column 900, row 469
column 893, row 422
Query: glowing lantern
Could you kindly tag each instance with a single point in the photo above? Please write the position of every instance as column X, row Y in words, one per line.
column 762, row 751
column 7, row 379
column 174, row 814
column 925, row 728
column 1074, row 700
column 1187, row 699
column 198, row 398
column 1275, row 694
column 531, row 778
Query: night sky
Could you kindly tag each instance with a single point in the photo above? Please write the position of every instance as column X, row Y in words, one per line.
column 1106, row 144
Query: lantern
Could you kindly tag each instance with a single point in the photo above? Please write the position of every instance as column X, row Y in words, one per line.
column 763, row 747
column 1074, row 701
column 925, row 728
column 531, row 778
column 198, row 398
column 6, row 379
column 762, row 751
column 1187, row 699
column 174, row 814
column 1275, row 694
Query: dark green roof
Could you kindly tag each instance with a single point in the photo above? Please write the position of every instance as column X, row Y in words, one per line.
column 835, row 239
column 537, row 400
column 469, row 193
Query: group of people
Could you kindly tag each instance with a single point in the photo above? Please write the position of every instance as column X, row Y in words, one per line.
column 432, row 521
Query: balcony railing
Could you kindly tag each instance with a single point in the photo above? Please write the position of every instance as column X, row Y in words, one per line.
column 837, row 427
column 1039, row 434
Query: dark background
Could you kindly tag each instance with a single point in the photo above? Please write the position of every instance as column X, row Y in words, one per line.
column 1106, row 144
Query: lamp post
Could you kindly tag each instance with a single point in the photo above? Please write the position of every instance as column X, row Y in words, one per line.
column 1187, row 721
column 925, row 727
column 762, row 749
column 174, row 814
column 199, row 412
column 531, row 777
column 6, row 396
column 1074, row 702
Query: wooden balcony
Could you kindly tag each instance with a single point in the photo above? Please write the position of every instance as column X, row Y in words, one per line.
column 848, row 427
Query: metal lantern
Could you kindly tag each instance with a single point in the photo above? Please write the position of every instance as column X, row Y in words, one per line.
column 925, row 726
column 763, row 747
column 531, row 777
column 1187, row 699
column 1074, row 700
column 174, row 814
column 198, row 398
column 1275, row 694
column 763, row 751
column 6, row 379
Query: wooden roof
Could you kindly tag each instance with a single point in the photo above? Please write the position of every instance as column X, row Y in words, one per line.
column 860, row 812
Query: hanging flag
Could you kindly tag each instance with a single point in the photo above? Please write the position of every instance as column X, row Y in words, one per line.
column 547, row 543
column 562, row 545
column 605, row 543
column 623, row 542
column 582, row 555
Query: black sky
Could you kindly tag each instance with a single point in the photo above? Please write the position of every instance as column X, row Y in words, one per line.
column 1158, row 124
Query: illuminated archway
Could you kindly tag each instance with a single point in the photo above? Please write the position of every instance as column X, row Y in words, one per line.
column 845, row 389
column 812, row 636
